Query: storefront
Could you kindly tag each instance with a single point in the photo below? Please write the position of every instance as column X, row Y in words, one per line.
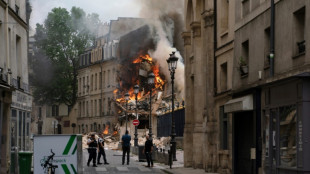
column 20, row 120
column 245, row 110
column 286, row 126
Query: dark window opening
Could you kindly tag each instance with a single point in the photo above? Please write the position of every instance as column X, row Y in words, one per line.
column 299, row 21
column 224, row 129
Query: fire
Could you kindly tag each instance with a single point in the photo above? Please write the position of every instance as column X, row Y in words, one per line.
column 153, row 67
column 141, row 58
column 106, row 130
column 159, row 82
column 114, row 133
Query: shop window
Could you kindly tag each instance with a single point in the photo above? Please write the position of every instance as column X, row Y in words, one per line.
column 224, row 129
column 288, row 116
column 299, row 28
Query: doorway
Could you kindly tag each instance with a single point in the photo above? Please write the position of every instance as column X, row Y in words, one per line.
column 244, row 141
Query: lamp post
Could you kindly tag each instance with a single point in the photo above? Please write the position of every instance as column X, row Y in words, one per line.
column 126, row 98
column 136, row 91
column 150, row 81
column 172, row 64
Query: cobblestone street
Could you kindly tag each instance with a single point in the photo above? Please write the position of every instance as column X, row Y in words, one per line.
column 115, row 166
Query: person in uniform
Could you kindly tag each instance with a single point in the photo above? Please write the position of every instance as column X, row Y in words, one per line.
column 92, row 149
column 126, row 147
column 101, row 150
column 148, row 149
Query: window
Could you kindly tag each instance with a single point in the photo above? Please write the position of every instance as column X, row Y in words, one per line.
column 103, row 79
column 299, row 28
column 96, row 81
column 95, row 114
column 80, row 109
column 92, row 82
column 87, row 106
column 267, row 47
column 245, row 51
column 100, row 80
column 100, row 107
column 55, row 110
column 108, row 78
column 224, row 129
column 91, row 108
column 223, row 77
column 224, row 16
column 245, row 7
column 84, row 85
column 40, row 113
column 288, row 117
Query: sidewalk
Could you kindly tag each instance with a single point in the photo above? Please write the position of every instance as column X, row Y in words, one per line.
column 177, row 167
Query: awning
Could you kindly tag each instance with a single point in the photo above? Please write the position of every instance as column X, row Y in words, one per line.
column 239, row 104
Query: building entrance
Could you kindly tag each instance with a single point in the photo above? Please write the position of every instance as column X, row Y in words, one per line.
column 244, row 143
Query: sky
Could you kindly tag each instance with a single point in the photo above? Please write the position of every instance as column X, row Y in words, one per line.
column 107, row 9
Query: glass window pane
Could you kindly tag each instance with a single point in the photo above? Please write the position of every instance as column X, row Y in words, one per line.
column 288, row 116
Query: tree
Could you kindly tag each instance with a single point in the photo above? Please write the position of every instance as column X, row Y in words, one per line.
column 62, row 38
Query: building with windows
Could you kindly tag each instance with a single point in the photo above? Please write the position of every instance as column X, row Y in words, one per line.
column 97, row 78
column 15, row 98
column 250, row 114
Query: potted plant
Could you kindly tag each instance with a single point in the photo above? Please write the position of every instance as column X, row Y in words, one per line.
column 243, row 66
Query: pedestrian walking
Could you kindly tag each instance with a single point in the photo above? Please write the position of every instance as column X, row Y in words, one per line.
column 101, row 150
column 92, row 149
column 148, row 149
column 126, row 146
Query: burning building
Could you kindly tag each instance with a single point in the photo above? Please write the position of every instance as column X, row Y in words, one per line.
column 112, row 69
column 97, row 79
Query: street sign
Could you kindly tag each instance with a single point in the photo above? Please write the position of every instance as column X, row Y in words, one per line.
column 135, row 122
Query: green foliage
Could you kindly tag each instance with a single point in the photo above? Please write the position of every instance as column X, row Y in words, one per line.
column 242, row 61
column 62, row 38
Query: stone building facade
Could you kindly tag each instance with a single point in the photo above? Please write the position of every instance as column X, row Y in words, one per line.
column 15, row 99
column 251, row 116
column 97, row 78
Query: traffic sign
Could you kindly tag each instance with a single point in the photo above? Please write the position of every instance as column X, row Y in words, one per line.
column 135, row 122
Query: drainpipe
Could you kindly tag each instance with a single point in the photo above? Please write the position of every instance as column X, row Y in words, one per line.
column 272, row 29
column 215, row 45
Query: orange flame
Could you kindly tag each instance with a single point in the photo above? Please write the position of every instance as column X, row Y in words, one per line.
column 115, row 133
column 106, row 130
column 159, row 82
column 141, row 58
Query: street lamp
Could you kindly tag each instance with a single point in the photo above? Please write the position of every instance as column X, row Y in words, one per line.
column 150, row 81
column 172, row 65
column 136, row 91
column 126, row 98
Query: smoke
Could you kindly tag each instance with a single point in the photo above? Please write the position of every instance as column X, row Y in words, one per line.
column 168, row 24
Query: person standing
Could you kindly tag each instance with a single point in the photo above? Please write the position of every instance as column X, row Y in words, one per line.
column 148, row 149
column 92, row 149
column 101, row 150
column 126, row 146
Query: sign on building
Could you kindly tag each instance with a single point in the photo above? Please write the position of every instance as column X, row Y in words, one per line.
column 64, row 152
